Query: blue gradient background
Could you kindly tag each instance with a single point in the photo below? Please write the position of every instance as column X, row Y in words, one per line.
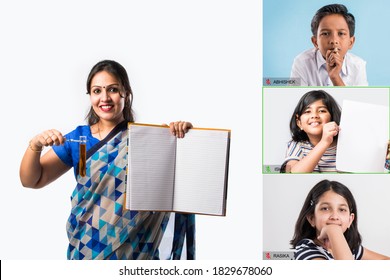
column 286, row 33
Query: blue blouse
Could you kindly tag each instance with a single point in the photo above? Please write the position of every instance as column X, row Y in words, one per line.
column 69, row 152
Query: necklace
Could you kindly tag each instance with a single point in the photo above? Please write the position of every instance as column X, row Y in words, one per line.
column 100, row 131
column 100, row 136
column 108, row 128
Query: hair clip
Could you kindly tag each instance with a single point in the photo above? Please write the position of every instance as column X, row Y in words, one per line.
column 311, row 202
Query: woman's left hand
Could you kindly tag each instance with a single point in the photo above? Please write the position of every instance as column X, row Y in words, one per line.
column 179, row 128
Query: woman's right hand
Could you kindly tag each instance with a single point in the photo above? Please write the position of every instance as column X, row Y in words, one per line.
column 36, row 170
column 47, row 138
column 329, row 131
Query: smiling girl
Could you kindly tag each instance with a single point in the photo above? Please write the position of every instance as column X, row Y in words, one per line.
column 314, row 129
column 326, row 227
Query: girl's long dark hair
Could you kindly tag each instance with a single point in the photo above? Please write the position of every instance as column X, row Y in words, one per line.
column 303, row 229
column 308, row 98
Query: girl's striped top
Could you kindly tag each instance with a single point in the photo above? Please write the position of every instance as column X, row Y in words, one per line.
column 298, row 150
column 306, row 249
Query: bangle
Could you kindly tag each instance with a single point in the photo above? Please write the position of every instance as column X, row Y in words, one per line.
column 34, row 150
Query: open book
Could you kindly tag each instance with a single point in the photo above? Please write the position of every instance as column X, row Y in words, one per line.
column 187, row 175
column 363, row 138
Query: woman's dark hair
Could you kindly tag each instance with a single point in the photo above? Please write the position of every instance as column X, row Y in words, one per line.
column 308, row 98
column 333, row 9
column 303, row 229
column 119, row 72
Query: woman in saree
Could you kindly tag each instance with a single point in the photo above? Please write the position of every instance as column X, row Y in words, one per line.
column 99, row 227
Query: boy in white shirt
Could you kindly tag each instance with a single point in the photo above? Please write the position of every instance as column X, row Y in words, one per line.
column 329, row 62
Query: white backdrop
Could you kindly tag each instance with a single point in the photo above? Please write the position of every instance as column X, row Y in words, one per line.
column 187, row 60
column 284, row 196
column 279, row 105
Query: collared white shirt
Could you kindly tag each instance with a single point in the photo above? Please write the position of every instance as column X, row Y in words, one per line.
column 310, row 68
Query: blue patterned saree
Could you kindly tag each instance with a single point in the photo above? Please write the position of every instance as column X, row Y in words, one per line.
column 99, row 227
